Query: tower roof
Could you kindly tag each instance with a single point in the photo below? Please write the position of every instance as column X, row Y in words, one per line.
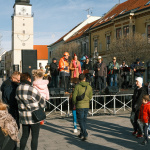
column 22, row 2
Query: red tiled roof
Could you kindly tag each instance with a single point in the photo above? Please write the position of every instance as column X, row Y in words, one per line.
column 42, row 51
column 81, row 32
column 122, row 8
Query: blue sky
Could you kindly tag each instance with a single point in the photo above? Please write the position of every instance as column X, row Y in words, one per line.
column 52, row 18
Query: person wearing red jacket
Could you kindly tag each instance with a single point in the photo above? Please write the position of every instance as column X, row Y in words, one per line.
column 144, row 116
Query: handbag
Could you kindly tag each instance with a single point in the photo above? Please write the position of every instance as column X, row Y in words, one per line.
column 81, row 97
column 38, row 115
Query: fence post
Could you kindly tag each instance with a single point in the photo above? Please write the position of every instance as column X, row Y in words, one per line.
column 114, row 98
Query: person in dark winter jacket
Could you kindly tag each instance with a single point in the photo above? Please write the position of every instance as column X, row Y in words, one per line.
column 54, row 73
column 139, row 92
column 82, row 106
column 135, row 66
column 86, row 67
column 100, row 73
column 8, row 89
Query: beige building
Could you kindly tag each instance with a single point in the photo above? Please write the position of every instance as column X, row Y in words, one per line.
column 128, row 18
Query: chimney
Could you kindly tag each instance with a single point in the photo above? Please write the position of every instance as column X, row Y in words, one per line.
column 88, row 16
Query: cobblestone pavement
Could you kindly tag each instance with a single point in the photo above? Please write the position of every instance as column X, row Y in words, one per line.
column 106, row 132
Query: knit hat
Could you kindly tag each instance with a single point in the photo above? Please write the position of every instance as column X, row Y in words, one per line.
column 54, row 59
column 139, row 79
column 146, row 97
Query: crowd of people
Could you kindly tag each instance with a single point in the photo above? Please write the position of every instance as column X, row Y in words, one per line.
column 21, row 97
column 99, row 75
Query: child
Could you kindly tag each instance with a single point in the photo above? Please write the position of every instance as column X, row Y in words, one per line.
column 73, row 107
column 41, row 84
column 144, row 117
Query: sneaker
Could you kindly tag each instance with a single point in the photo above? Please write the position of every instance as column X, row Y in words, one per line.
column 144, row 142
column 139, row 136
column 80, row 136
column 134, row 133
column 75, row 131
column 149, row 137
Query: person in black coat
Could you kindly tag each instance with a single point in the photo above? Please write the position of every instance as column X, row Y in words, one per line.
column 135, row 66
column 54, row 73
column 8, row 89
column 139, row 92
column 86, row 67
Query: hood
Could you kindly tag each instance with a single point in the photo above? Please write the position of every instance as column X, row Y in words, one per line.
column 41, row 84
column 148, row 103
column 83, row 83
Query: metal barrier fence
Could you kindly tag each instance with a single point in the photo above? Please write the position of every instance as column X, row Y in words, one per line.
column 103, row 104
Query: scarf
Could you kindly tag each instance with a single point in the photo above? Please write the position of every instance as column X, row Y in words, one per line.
column 8, row 123
column 75, row 66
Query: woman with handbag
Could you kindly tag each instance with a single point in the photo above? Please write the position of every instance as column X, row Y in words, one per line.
column 8, row 129
column 30, row 105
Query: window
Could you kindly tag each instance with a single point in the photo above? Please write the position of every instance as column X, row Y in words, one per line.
column 126, row 30
column 40, row 64
column 95, row 45
column 107, row 42
column 84, row 49
column 148, row 33
column 133, row 29
column 118, row 33
column 23, row 31
column 50, row 54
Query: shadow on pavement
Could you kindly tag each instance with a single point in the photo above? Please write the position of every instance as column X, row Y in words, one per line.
column 112, row 133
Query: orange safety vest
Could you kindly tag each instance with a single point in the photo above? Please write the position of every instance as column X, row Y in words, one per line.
column 62, row 64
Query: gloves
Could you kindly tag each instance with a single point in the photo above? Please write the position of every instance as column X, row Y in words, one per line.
column 66, row 68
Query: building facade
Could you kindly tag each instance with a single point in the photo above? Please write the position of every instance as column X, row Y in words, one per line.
column 125, row 19
column 22, row 30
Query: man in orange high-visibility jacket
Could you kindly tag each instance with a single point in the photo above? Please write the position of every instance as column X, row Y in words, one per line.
column 64, row 72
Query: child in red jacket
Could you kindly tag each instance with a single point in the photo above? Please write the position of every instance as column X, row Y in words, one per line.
column 144, row 117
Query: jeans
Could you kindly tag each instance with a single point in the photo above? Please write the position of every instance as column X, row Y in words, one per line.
column 64, row 83
column 54, row 82
column 74, row 119
column 82, row 117
column 101, row 83
column 113, row 79
column 146, row 131
column 134, row 121
column 35, row 128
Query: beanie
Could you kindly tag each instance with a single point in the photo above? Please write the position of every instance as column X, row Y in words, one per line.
column 140, row 79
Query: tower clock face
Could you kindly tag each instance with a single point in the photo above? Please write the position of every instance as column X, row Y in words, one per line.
column 23, row 9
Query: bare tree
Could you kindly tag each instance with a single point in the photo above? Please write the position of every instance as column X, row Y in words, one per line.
column 72, row 47
column 130, row 47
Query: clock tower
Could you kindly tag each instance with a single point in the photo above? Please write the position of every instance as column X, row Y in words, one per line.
column 22, row 30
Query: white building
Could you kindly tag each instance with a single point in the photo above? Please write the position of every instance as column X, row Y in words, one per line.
column 22, row 30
